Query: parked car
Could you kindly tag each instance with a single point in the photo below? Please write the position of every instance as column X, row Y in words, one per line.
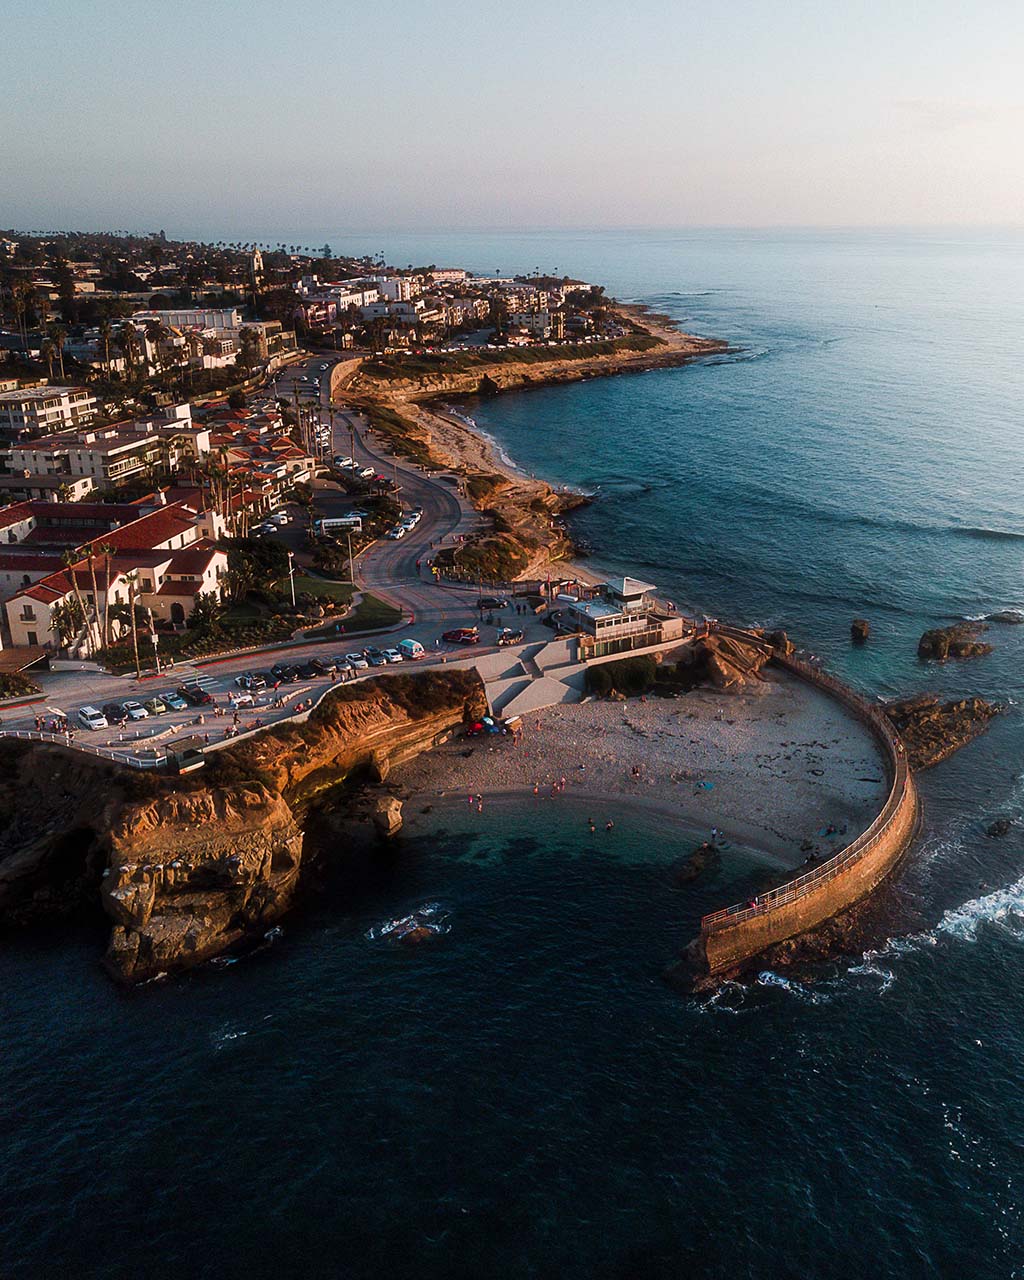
column 280, row 517
column 396, row 533
column 392, row 655
column 509, row 635
column 250, row 682
column 356, row 661
column 174, row 701
column 194, row 695
column 90, row 718
column 374, row 657
column 462, row 635
column 366, row 473
column 283, row 673
column 114, row 713
column 341, row 664
column 343, row 463
column 135, row 710
column 411, row 650
column 155, row 706
column 241, row 699
column 311, row 670
column 492, row 602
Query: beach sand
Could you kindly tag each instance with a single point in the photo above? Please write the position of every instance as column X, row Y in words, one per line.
column 782, row 766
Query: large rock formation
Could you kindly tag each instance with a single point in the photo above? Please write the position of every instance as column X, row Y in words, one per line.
column 190, row 873
column 185, row 867
column 958, row 641
column 932, row 730
column 732, row 665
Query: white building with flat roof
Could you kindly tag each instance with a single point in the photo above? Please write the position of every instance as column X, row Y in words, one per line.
column 40, row 410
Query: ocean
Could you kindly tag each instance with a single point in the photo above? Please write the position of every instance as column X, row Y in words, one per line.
column 527, row 1097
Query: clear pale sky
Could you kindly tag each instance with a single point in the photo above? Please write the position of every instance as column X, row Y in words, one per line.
column 255, row 119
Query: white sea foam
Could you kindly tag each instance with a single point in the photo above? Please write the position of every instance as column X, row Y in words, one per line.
column 769, row 978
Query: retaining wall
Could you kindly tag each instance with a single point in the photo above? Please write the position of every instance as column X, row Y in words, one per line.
column 734, row 935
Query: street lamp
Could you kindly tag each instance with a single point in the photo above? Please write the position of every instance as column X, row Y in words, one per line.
column 291, row 575
column 155, row 639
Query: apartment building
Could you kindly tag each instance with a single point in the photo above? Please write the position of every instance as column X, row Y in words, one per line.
column 41, row 410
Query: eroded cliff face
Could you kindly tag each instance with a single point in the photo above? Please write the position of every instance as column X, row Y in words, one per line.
column 191, row 873
column 185, row 868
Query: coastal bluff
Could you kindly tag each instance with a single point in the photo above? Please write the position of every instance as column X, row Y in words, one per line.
column 186, row 867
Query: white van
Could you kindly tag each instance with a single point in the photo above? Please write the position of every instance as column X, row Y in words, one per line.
column 411, row 650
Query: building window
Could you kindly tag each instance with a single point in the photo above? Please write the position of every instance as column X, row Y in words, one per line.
column 28, row 614
column 33, row 638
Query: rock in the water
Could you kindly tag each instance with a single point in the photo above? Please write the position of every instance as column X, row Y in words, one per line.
column 1011, row 617
column 780, row 642
column 933, row 730
column 387, row 816
column 958, row 641
column 860, row 629
column 1001, row 827
column 704, row 858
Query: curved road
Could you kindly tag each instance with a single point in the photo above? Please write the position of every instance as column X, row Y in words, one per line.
column 388, row 569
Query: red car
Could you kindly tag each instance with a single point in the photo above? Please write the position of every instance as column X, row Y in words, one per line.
column 462, row 635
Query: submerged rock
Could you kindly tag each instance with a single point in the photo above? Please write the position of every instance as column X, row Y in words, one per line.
column 1001, row 827
column 860, row 629
column 705, row 858
column 932, row 730
column 958, row 641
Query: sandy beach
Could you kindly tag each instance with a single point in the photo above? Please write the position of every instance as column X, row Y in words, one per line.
column 770, row 771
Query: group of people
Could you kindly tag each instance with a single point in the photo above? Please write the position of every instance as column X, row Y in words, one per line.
column 57, row 724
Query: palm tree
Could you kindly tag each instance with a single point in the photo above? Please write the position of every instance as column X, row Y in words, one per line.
column 48, row 351
column 133, row 581
column 105, row 331
column 59, row 333
column 106, row 551
column 70, row 559
column 90, row 560
column 127, row 340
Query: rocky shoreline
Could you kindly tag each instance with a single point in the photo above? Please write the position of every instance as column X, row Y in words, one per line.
column 185, row 868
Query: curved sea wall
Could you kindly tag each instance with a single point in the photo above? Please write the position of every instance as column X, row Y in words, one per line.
column 733, row 936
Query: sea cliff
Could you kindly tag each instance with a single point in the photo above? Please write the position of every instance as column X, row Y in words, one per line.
column 187, row 867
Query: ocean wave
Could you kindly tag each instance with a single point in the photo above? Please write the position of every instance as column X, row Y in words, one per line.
column 769, row 978
column 993, row 535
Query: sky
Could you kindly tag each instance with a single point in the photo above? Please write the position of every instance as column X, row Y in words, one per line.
column 263, row 120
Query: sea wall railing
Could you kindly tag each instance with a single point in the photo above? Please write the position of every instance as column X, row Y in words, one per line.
column 869, row 839
column 106, row 753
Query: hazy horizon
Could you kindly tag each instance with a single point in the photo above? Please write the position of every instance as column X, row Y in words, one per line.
column 668, row 117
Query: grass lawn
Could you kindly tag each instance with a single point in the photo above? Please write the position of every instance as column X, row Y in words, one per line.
column 370, row 614
column 304, row 583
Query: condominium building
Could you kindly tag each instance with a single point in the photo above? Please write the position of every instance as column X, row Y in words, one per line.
column 44, row 409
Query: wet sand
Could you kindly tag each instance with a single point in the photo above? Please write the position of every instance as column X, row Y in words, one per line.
column 770, row 771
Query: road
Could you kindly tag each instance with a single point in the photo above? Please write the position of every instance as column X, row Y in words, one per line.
column 395, row 571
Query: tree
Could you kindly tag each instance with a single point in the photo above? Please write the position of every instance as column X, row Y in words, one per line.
column 105, row 331
column 70, row 559
column 128, row 341
column 106, row 551
column 326, row 252
column 66, row 621
column 205, row 613
column 133, row 582
column 58, row 333
column 249, row 349
column 48, row 351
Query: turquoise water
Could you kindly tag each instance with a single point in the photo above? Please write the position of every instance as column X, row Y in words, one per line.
column 527, row 1097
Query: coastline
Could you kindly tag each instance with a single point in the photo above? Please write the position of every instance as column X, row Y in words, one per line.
column 524, row 511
